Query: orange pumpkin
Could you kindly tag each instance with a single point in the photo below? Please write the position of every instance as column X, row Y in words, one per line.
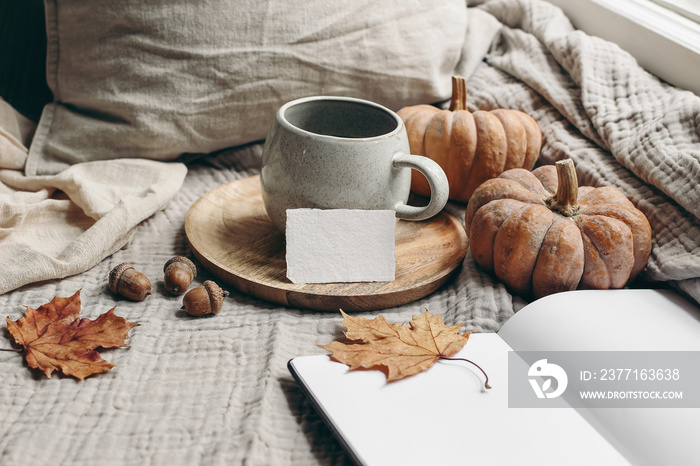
column 539, row 233
column 470, row 147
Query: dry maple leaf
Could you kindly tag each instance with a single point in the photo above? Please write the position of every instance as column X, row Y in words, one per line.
column 54, row 338
column 403, row 350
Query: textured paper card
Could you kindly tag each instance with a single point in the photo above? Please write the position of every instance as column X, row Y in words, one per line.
column 340, row 245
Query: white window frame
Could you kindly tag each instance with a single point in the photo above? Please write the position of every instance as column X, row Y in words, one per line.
column 663, row 42
column 688, row 8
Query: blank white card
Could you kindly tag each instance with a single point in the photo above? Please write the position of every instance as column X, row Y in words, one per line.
column 340, row 245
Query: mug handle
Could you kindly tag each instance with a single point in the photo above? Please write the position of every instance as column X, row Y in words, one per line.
column 439, row 186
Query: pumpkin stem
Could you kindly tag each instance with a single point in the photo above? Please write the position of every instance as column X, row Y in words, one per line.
column 565, row 201
column 459, row 94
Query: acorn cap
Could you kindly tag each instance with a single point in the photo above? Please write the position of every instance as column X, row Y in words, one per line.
column 184, row 260
column 116, row 274
column 216, row 295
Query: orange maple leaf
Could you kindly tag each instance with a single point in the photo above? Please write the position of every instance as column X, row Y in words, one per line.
column 402, row 350
column 54, row 338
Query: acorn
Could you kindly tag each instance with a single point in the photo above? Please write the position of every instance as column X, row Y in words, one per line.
column 125, row 280
column 179, row 273
column 205, row 299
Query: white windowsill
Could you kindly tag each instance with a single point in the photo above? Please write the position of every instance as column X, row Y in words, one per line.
column 663, row 42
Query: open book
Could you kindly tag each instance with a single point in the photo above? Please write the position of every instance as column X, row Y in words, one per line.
column 444, row 416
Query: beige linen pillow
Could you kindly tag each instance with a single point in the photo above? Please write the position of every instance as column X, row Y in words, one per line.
column 161, row 78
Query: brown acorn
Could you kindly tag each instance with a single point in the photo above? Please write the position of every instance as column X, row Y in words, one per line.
column 125, row 280
column 204, row 299
column 178, row 275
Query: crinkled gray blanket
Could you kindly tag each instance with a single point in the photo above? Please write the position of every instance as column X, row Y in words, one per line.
column 217, row 390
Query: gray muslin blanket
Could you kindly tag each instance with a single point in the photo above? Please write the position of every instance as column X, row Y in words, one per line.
column 217, row 391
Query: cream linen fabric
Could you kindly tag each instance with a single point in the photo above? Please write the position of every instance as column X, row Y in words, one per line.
column 161, row 78
column 15, row 132
column 216, row 391
column 61, row 225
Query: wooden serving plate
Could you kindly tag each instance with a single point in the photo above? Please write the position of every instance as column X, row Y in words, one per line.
column 232, row 237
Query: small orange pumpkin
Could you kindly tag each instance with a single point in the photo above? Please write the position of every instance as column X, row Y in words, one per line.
column 470, row 147
column 539, row 233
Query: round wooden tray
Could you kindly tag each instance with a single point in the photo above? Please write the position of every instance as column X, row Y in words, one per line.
column 232, row 237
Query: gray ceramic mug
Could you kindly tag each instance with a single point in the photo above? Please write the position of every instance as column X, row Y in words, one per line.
column 343, row 153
